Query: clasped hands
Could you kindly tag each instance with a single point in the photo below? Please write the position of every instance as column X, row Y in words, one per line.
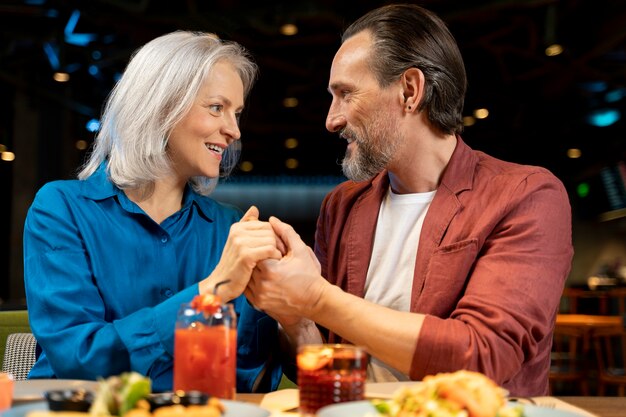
column 272, row 266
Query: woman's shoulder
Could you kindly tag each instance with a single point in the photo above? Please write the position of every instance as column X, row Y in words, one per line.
column 59, row 188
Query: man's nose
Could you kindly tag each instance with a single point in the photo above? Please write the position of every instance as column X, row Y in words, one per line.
column 335, row 121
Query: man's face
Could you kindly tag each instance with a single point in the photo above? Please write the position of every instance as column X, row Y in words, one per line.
column 361, row 111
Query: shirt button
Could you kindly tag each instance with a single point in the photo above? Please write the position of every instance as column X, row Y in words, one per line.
column 167, row 292
column 164, row 239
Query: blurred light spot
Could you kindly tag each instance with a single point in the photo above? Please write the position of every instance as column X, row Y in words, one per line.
column 96, row 54
column 81, row 145
column 582, row 190
column 594, row 86
column 603, row 117
column 246, row 166
column 93, row 125
column 289, row 29
column 574, row 153
column 93, row 70
column 615, row 95
column 469, row 121
column 2, row 148
column 481, row 113
column 291, row 163
column 7, row 156
column 52, row 54
column 291, row 143
column 554, row 50
column 61, row 77
column 290, row 102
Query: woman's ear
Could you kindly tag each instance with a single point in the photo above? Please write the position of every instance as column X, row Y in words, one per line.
column 412, row 88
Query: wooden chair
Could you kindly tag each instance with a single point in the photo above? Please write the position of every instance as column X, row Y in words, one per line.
column 567, row 362
column 610, row 347
column 617, row 298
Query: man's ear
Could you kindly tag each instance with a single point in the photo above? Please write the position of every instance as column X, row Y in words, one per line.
column 413, row 82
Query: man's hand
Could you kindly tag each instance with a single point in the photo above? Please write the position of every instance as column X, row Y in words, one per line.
column 250, row 241
column 288, row 288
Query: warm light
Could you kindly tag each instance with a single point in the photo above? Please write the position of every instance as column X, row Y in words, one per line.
column 81, row 145
column 290, row 102
column 469, row 121
column 481, row 113
column 554, row 50
column 7, row 156
column 291, row 143
column 2, row 148
column 246, row 166
column 291, row 163
column 61, row 77
column 289, row 29
column 574, row 153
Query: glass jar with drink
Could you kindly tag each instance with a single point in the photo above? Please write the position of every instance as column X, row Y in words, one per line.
column 330, row 373
column 205, row 347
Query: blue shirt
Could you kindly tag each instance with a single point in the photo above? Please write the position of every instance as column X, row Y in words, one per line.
column 104, row 283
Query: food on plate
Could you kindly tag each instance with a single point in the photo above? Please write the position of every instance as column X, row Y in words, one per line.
column 129, row 395
column 117, row 395
column 213, row 408
column 457, row 394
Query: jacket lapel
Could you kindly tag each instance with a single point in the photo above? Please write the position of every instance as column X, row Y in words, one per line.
column 457, row 177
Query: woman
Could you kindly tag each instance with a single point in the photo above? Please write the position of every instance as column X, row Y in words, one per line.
column 110, row 257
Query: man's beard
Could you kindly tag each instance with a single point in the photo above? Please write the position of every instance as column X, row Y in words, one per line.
column 373, row 150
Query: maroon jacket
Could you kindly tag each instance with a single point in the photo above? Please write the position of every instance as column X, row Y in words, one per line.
column 494, row 253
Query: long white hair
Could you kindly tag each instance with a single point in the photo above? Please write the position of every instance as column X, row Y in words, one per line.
column 156, row 90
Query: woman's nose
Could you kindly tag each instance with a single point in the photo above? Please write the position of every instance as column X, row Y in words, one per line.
column 231, row 128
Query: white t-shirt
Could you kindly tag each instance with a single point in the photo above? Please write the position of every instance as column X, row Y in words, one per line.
column 390, row 274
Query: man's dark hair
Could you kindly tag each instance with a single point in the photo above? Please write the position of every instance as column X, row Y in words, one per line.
column 406, row 36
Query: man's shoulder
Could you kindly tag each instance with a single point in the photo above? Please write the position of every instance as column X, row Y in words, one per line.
column 497, row 169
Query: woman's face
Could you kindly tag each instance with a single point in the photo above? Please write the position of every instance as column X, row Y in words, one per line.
column 197, row 142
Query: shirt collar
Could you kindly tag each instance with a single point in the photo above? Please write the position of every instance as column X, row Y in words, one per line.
column 98, row 186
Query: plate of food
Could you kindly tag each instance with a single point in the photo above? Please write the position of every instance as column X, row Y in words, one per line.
column 129, row 395
column 33, row 389
column 367, row 409
column 461, row 393
column 231, row 409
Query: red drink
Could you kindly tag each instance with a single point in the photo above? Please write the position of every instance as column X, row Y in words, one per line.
column 329, row 374
column 205, row 357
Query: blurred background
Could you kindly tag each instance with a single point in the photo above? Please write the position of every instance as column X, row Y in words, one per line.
column 547, row 86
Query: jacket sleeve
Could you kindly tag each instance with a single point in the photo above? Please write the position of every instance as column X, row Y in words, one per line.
column 506, row 313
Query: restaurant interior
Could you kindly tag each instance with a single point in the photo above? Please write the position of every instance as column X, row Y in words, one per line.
column 547, row 87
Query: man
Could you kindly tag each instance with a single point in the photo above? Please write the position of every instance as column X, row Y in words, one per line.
column 436, row 257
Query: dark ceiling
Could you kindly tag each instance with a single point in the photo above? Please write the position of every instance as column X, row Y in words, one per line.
column 538, row 104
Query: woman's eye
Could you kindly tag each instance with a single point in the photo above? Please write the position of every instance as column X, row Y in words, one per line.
column 216, row 108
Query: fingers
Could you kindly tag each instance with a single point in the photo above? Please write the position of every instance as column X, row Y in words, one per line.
column 251, row 214
column 285, row 233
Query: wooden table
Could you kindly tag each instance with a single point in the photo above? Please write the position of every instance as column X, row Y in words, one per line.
column 588, row 323
column 600, row 406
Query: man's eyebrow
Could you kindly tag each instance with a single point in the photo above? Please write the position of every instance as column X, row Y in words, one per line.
column 336, row 86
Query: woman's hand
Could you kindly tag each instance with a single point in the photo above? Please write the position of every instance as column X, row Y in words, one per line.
column 289, row 288
column 249, row 242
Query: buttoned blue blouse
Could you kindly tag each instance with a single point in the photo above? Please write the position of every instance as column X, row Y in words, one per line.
column 104, row 283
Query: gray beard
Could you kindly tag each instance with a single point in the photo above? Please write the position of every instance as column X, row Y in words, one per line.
column 373, row 152
column 364, row 163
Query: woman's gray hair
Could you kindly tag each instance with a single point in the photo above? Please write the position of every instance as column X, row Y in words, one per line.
column 406, row 36
column 155, row 92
